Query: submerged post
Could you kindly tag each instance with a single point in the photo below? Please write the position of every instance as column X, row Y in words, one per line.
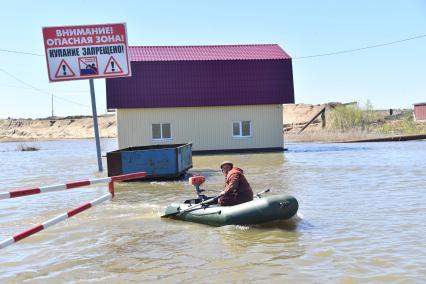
column 95, row 124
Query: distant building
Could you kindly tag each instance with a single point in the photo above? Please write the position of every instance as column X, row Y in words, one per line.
column 420, row 111
column 218, row 97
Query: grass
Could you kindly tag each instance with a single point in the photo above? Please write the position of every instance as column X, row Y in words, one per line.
column 405, row 125
column 349, row 118
column 364, row 119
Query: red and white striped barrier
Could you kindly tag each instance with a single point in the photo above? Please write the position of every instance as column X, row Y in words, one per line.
column 70, row 213
column 54, row 221
column 71, row 185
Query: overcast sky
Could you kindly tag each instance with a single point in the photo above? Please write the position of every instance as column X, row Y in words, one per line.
column 391, row 76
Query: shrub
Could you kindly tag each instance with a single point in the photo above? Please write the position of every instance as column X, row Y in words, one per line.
column 344, row 118
column 354, row 118
column 405, row 126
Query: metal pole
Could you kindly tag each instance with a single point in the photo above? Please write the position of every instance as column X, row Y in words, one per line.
column 95, row 124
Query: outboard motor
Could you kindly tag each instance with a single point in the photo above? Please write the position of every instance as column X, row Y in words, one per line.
column 197, row 181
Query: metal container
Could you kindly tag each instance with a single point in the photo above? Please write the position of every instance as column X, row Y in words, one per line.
column 420, row 111
column 158, row 161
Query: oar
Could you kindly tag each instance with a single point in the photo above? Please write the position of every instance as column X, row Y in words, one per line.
column 192, row 207
column 258, row 195
column 262, row 192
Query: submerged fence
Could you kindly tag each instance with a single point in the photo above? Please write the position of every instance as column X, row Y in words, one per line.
column 70, row 213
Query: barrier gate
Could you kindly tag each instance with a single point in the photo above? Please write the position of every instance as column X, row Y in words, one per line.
column 70, row 213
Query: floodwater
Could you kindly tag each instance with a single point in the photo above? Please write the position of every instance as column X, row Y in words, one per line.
column 361, row 219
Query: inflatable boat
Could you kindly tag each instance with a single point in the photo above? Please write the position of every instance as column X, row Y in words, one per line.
column 205, row 210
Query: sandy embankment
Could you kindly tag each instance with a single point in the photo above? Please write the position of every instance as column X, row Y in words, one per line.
column 295, row 116
column 80, row 127
column 55, row 128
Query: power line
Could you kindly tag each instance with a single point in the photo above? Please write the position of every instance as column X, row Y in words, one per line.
column 360, row 48
column 294, row 58
column 31, row 86
column 57, row 91
column 40, row 90
column 20, row 52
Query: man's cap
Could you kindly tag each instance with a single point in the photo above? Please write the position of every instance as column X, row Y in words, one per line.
column 227, row 163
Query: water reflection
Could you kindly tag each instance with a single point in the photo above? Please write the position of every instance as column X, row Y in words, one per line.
column 308, row 148
column 361, row 206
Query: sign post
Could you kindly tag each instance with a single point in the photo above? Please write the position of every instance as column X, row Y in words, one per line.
column 95, row 124
column 87, row 52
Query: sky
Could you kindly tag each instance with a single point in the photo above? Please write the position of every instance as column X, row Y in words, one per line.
column 390, row 76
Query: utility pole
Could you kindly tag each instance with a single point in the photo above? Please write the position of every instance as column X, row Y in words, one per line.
column 52, row 106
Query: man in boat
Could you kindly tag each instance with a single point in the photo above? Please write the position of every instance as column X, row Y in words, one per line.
column 237, row 189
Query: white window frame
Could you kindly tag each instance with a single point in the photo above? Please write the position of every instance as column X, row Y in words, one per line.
column 161, row 132
column 240, row 122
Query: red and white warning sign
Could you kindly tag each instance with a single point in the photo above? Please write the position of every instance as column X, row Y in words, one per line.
column 82, row 52
column 64, row 70
column 112, row 66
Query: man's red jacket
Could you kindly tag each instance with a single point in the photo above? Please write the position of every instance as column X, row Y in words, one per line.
column 237, row 189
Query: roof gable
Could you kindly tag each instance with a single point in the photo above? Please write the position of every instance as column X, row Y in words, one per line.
column 207, row 52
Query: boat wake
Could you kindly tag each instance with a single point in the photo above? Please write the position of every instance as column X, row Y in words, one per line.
column 287, row 225
column 291, row 224
column 141, row 210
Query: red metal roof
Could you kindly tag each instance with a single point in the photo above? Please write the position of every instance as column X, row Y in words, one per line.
column 207, row 52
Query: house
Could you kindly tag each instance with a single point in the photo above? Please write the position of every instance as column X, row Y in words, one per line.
column 420, row 111
column 221, row 98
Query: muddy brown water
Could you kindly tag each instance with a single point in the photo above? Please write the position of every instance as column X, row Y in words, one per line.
column 361, row 219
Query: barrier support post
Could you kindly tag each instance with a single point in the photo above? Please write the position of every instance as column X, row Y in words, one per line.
column 111, row 188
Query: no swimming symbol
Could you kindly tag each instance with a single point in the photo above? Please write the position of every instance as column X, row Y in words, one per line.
column 88, row 66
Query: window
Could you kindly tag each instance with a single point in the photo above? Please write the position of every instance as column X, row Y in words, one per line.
column 161, row 131
column 241, row 129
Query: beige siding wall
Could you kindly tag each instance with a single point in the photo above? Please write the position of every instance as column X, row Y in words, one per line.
column 209, row 128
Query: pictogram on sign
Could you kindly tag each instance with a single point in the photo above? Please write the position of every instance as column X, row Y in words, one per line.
column 88, row 66
column 64, row 70
column 112, row 67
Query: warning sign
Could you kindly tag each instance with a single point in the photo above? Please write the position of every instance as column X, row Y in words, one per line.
column 112, row 66
column 64, row 70
column 82, row 52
